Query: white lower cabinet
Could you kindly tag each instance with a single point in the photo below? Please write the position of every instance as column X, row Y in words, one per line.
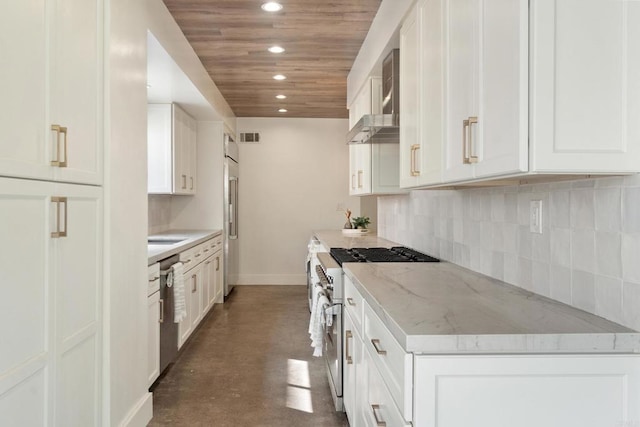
column 51, row 309
column 154, row 317
column 351, row 363
column 527, row 391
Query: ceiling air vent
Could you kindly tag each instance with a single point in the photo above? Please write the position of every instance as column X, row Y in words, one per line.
column 250, row 137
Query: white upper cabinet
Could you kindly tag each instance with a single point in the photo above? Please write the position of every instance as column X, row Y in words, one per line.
column 171, row 139
column 421, row 99
column 52, row 122
column 486, row 88
column 585, row 86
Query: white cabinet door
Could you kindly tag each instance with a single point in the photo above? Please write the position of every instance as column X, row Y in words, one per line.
column 194, row 292
column 185, row 326
column 193, row 146
column 352, row 363
column 76, row 55
column 159, row 149
column 153, row 337
column 208, row 283
column 51, row 311
column 219, row 278
column 486, row 88
column 584, row 86
column 58, row 82
column 421, row 95
column 180, row 152
column 527, row 391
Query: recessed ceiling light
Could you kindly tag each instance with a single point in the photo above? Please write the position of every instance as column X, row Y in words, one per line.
column 282, row 110
column 271, row 6
column 279, row 77
column 276, row 49
column 281, row 96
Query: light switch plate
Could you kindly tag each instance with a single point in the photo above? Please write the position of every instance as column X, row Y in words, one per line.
column 535, row 216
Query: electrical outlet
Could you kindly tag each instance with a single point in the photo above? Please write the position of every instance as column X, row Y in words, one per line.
column 535, row 216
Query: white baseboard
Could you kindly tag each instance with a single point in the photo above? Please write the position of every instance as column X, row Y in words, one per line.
column 271, row 279
column 141, row 413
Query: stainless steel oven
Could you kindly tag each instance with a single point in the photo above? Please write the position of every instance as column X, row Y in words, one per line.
column 330, row 277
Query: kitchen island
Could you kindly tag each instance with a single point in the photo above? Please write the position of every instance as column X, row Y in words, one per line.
column 439, row 345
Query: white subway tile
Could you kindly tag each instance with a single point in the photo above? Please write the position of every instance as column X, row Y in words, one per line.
column 632, row 180
column 510, row 268
column 541, row 278
column 583, row 290
column 497, row 236
column 614, row 181
column 560, row 283
column 541, row 246
column 560, row 247
column 524, row 200
column 525, row 243
column 631, row 210
column 525, row 276
column 582, row 210
column 631, row 257
column 608, row 209
column 497, row 265
column 511, row 207
column 583, row 250
column 608, row 254
column 510, row 237
column 486, row 235
column 497, row 207
column 609, row 298
column 559, row 212
column 583, row 183
column 631, row 305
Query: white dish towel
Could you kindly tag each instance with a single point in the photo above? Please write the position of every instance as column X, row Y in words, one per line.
column 175, row 279
column 317, row 321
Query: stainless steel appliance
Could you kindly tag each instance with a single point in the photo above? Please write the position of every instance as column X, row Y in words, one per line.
column 331, row 276
column 230, row 203
column 314, row 247
column 168, row 328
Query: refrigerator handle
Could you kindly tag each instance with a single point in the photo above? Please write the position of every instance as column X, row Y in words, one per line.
column 233, row 211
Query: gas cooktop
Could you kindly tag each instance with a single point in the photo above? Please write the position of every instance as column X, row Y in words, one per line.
column 395, row 254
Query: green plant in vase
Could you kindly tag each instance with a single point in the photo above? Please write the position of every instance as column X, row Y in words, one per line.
column 361, row 222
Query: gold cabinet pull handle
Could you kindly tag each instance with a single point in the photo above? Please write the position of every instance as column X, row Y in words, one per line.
column 195, row 285
column 350, row 302
column 465, row 127
column 184, row 182
column 60, row 130
column 379, row 422
column 348, row 335
column 161, row 319
column 472, row 158
column 353, row 181
column 414, row 162
column 191, row 183
column 360, row 173
column 376, row 345
column 217, row 263
column 60, row 232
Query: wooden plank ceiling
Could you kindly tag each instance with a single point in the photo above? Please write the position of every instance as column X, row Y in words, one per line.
column 321, row 38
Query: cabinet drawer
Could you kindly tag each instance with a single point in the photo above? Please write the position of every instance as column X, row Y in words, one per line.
column 353, row 303
column 377, row 406
column 154, row 279
column 394, row 364
column 209, row 247
column 187, row 258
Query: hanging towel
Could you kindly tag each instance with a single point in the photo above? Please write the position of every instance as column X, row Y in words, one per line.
column 175, row 280
column 316, row 324
column 317, row 289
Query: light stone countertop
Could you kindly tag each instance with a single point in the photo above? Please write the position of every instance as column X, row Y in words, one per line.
column 444, row 308
column 190, row 238
column 335, row 239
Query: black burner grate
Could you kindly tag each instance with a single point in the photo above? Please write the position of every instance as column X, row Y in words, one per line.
column 395, row 254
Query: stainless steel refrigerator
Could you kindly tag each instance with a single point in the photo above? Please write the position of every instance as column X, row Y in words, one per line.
column 231, row 169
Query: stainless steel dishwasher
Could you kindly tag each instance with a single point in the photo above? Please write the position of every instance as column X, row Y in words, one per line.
column 168, row 328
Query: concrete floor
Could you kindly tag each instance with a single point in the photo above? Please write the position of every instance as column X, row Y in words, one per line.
column 249, row 364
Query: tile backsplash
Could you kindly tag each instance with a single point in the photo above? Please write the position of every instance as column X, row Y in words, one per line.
column 588, row 254
column 159, row 213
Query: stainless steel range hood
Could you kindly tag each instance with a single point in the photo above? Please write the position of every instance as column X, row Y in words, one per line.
column 385, row 127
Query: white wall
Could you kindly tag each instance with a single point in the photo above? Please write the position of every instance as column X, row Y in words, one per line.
column 587, row 255
column 290, row 185
column 127, row 400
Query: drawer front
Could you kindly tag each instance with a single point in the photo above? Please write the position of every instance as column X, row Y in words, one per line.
column 186, row 257
column 394, row 364
column 353, row 303
column 154, row 279
column 377, row 405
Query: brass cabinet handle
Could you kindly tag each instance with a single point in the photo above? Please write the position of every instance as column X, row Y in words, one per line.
column 206, row 250
column 353, row 181
column 184, row 182
column 348, row 335
column 207, row 263
column 376, row 345
column 195, row 283
column 414, row 168
column 60, row 130
column 472, row 158
column 161, row 319
column 191, row 183
column 465, row 127
column 154, row 279
column 360, row 173
column 60, row 232
column 197, row 255
column 350, row 302
column 379, row 422
column 187, row 262
column 217, row 263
